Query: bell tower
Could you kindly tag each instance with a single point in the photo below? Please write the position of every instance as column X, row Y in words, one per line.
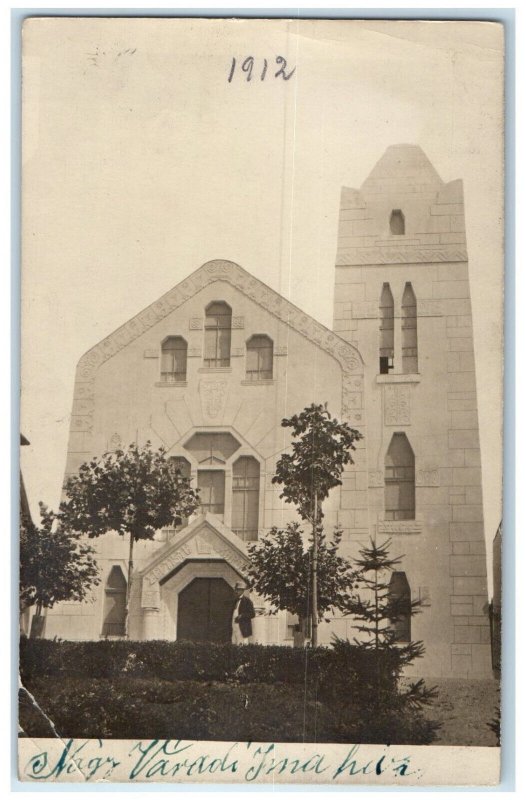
column 402, row 297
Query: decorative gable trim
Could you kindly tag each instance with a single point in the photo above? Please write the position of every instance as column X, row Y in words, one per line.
column 267, row 298
column 344, row 353
column 206, row 538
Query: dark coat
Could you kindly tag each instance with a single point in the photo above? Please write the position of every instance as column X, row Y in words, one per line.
column 245, row 615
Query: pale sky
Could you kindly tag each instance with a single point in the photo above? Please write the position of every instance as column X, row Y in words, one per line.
column 141, row 162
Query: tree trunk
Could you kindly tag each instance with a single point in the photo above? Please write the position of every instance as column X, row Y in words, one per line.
column 315, row 574
column 128, row 586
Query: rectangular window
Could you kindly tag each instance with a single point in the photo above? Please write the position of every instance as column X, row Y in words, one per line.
column 211, row 485
column 218, row 324
column 245, row 506
column 173, row 360
column 399, row 493
column 260, row 356
column 217, row 347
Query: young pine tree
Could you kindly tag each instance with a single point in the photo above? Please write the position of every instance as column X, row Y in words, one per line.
column 383, row 611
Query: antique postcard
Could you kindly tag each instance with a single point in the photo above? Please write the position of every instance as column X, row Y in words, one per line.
column 261, row 401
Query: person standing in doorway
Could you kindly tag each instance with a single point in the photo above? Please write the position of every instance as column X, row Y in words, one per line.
column 242, row 616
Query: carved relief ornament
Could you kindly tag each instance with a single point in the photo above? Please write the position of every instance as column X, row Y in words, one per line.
column 213, row 397
column 397, row 408
column 362, row 256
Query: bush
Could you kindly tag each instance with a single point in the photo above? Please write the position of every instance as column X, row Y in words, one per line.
column 125, row 708
column 123, row 689
column 177, row 661
column 350, row 674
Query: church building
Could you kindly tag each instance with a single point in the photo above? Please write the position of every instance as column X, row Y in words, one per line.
column 211, row 368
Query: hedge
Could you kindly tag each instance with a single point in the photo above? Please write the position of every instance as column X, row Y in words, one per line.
column 198, row 661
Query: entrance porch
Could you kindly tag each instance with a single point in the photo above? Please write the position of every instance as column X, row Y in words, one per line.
column 187, row 592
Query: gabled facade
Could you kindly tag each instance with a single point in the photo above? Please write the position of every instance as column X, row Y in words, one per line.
column 210, row 370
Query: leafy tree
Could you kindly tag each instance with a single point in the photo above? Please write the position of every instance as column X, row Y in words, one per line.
column 321, row 448
column 378, row 610
column 54, row 564
column 280, row 570
column 133, row 492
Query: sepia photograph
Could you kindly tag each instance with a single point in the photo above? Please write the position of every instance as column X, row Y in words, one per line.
column 261, row 401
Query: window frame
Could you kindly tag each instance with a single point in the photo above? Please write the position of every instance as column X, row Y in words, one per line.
column 259, row 374
column 401, row 477
column 205, row 508
column 247, row 533
column 212, row 334
column 409, row 322
column 397, row 219
column 226, row 467
column 178, row 376
column 386, row 330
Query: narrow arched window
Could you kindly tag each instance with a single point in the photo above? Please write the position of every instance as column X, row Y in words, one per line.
column 400, row 603
column 260, row 353
column 245, row 498
column 114, row 604
column 409, row 331
column 386, row 330
column 397, row 222
column 399, row 479
column 173, row 359
column 218, row 329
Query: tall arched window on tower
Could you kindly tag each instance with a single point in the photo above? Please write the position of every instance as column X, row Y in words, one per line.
column 115, row 604
column 260, row 352
column 245, row 498
column 400, row 596
column 386, row 330
column 399, row 479
column 409, row 331
column 173, row 359
column 218, row 328
column 397, row 222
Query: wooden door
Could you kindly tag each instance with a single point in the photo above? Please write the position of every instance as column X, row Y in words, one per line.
column 204, row 612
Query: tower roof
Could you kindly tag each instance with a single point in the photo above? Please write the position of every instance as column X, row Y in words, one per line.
column 403, row 164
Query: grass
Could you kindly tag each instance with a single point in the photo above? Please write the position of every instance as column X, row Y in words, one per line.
column 464, row 707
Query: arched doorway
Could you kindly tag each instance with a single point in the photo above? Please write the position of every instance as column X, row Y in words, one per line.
column 204, row 611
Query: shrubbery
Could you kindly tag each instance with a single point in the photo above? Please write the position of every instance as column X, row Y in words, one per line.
column 170, row 661
column 182, row 661
column 125, row 708
column 123, row 689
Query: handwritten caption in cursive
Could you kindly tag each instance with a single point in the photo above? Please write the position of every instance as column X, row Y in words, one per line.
column 158, row 759
column 260, row 68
